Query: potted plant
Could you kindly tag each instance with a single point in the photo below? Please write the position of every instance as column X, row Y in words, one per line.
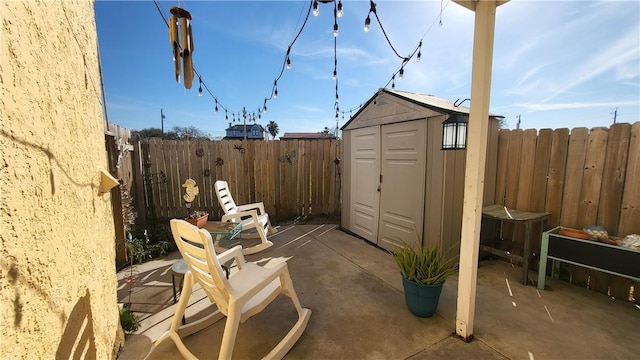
column 197, row 218
column 424, row 271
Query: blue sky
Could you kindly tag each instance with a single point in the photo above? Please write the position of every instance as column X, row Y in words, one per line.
column 556, row 63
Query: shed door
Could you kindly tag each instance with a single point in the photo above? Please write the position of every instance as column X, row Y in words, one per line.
column 403, row 181
column 365, row 174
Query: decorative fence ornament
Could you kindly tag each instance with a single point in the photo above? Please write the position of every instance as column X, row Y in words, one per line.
column 180, row 22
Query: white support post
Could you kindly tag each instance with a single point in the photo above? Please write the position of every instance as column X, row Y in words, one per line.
column 485, row 12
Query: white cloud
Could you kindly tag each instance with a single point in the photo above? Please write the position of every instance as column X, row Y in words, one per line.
column 573, row 105
column 621, row 56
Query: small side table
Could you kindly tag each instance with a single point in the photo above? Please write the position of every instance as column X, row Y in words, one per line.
column 502, row 214
column 178, row 269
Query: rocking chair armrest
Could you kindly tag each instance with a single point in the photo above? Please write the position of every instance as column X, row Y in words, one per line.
column 233, row 253
column 271, row 274
column 239, row 215
column 259, row 206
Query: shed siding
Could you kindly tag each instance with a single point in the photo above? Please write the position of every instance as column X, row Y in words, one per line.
column 444, row 179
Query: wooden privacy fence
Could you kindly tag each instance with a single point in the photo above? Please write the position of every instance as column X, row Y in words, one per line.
column 119, row 155
column 581, row 177
column 291, row 177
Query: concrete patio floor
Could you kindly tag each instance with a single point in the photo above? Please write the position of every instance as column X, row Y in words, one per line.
column 355, row 292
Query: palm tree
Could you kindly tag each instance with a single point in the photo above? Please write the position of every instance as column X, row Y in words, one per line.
column 273, row 129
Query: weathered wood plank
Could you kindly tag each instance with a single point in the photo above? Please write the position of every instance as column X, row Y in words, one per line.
column 591, row 184
column 630, row 207
column 613, row 176
column 573, row 177
column 527, row 163
column 540, row 171
column 316, row 182
column 326, row 169
column 504, row 136
column 557, row 166
column 300, row 165
column 330, row 182
column 307, row 175
column 513, row 169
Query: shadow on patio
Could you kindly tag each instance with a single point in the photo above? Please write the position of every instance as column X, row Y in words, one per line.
column 355, row 292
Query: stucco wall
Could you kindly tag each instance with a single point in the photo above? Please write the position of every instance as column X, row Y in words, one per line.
column 57, row 266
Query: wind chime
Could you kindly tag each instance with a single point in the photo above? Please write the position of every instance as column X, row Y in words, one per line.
column 180, row 22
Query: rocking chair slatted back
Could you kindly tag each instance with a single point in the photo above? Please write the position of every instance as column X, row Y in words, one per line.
column 196, row 246
column 225, row 198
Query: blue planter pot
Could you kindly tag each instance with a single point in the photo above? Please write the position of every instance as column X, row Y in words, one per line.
column 422, row 300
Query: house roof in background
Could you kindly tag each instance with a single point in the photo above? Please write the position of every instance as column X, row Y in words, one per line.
column 248, row 127
column 306, row 136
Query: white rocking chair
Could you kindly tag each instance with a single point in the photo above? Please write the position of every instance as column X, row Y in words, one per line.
column 252, row 216
column 245, row 293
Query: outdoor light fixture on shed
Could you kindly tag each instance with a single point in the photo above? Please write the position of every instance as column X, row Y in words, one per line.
column 454, row 132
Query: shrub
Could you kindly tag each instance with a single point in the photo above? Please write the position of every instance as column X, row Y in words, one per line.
column 129, row 320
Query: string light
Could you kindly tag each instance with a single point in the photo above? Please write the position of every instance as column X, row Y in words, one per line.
column 338, row 12
column 393, row 82
column 367, row 21
column 335, row 29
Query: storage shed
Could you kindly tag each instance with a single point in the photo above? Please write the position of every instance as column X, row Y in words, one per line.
column 398, row 185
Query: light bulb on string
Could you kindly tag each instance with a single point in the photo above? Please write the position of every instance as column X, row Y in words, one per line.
column 264, row 109
column 216, row 110
column 335, row 29
column 275, row 91
column 335, row 74
column 226, row 115
column 340, row 11
column 393, row 82
column 367, row 24
column 200, row 88
column 288, row 63
column 337, row 98
column 316, row 11
column 401, row 76
column 419, row 51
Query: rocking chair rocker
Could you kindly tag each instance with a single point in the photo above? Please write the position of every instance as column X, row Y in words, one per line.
column 245, row 293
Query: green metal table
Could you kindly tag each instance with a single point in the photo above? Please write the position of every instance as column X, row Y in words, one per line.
column 612, row 259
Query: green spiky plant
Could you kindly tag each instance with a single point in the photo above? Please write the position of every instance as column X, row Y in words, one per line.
column 423, row 265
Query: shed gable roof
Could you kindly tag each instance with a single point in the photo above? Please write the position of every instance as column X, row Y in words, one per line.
column 387, row 106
